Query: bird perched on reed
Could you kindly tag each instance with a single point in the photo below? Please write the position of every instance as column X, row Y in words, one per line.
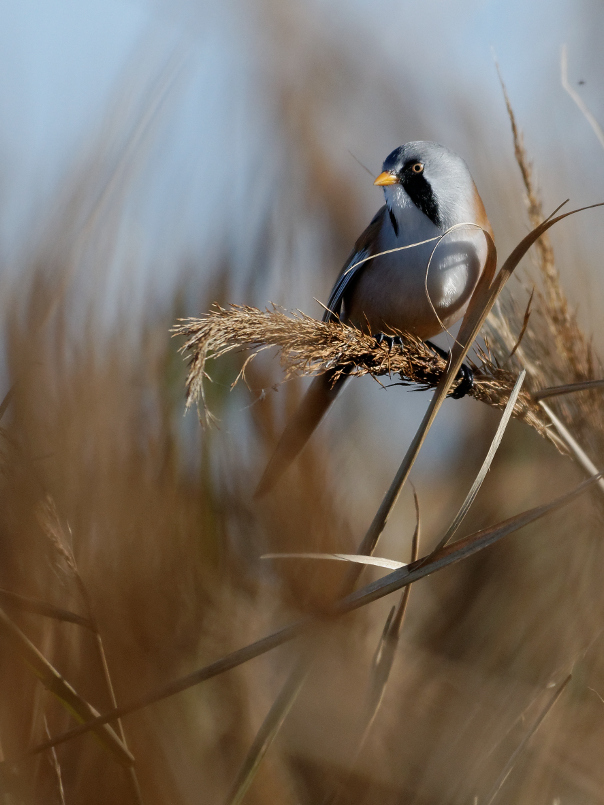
column 402, row 274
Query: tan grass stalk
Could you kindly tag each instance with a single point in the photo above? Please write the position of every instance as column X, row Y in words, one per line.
column 507, row 769
column 56, row 767
column 382, row 664
column 26, row 604
column 268, row 731
column 574, row 448
column 355, row 558
column 486, row 465
column 568, row 388
column 56, row 684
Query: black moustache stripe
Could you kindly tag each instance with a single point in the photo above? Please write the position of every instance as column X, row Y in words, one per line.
column 420, row 192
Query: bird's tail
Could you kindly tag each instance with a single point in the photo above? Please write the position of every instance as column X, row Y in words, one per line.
column 318, row 398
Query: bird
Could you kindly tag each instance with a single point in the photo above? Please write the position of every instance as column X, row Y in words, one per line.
column 399, row 276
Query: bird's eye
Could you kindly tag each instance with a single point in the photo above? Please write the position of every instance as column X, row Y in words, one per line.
column 418, row 167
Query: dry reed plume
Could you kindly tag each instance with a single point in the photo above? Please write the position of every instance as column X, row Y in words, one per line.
column 309, row 347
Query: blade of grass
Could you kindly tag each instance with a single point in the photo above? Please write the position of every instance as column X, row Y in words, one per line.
column 42, row 608
column 132, row 777
column 573, row 446
column 396, row 580
column 569, row 388
column 486, row 464
column 525, row 321
column 6, row 401
column 54, row 682
column 382, row 665
column 507, row 769
column 375, row 561
column 384, row 655
column 268, row 731
column 56, row 767
column 597, row 129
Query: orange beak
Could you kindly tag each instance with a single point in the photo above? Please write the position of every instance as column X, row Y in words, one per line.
column 386, row 178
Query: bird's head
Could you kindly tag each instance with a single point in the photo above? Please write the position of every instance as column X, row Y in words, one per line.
column 433, row 178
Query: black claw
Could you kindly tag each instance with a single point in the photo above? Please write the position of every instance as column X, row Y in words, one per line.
column 466, row 383
column 442, row 353
column 465, row 376
column 391, row 340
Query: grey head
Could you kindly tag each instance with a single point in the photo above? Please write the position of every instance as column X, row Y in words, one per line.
column 435, row 180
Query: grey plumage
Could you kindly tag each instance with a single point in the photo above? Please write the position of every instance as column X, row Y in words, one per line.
column 421, row 288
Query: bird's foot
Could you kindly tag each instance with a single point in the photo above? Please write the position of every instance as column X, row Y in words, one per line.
column 389, row 340
column 465, row 376
column 466, row 382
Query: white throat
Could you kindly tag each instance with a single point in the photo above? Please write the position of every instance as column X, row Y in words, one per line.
column 412, row 224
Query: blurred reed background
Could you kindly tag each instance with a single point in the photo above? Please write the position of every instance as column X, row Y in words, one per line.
column 221, row 166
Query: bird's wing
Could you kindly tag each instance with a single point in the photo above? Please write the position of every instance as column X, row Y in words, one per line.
column 365, row 246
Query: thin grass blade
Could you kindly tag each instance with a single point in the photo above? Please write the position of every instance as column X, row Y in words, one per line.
column 475, row 322
column 384, row 656
column 397, row 621
column 569, row 388
column 375, row 561
column 597, row 129
column 56, row 768
column 486, row 465
column 382, row 664
column 507, row 769
column 57, row 685
column 268, row 732
column 6, row 400
column 42, row 608
column 525, row 321
column 573, row 446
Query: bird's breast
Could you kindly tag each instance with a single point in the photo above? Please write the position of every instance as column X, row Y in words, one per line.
column 422, row 287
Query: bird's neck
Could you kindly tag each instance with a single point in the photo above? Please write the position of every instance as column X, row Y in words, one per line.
column 451, row 211
column 410, row 224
